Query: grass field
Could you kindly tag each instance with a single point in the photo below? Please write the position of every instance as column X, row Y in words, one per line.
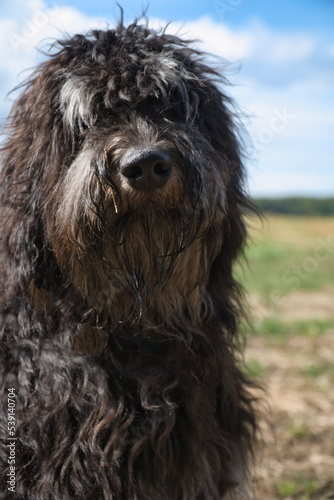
column 289, row 281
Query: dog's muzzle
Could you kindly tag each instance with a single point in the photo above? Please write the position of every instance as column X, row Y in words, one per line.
column 146, row 169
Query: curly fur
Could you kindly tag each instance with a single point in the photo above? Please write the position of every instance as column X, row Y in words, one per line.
column 119, row 310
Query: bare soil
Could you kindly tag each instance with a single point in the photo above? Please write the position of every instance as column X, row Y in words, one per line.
column 296, row 460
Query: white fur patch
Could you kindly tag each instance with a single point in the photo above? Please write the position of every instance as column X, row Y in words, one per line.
column 171, row 71
column 76, row 188
column 75, row 102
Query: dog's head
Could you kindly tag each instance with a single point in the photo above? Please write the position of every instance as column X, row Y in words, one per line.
column 122, row 168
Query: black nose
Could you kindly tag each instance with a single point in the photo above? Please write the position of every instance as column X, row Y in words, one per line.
column 146, row 169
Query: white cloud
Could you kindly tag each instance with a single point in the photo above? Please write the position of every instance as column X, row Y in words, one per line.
column 220, row 40
column 280, row 47
column 25, row 33
column 293, row 49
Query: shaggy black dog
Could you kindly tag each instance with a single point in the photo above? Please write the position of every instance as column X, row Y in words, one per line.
column 121, row 211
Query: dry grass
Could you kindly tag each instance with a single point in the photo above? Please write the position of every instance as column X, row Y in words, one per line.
column 292, row 351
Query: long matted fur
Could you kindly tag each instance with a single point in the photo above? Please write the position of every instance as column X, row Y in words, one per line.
column 119, row 310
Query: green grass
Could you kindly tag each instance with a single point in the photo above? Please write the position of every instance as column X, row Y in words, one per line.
column 286, row 488
column 299, row 487
column 298, row 430
column 256, row 369
column 274, row 267
column 314, row 371
column 281, row 329
column 286, row 255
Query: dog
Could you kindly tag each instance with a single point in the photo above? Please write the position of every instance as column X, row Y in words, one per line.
column 122, row 211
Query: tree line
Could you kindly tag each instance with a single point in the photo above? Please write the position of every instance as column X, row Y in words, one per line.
column 297, row 206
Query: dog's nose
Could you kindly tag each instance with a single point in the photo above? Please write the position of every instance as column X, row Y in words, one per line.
column 146, row 169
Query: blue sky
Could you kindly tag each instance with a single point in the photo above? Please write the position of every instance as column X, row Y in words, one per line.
column 285, row 83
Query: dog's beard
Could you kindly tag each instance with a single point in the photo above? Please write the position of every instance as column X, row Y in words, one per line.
column 143, row 248
column 119, row 263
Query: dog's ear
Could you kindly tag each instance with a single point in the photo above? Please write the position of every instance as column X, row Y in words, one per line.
column 219, row 126
column 32, row 159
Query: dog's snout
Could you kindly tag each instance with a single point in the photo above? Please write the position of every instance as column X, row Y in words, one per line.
column 146, row 169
